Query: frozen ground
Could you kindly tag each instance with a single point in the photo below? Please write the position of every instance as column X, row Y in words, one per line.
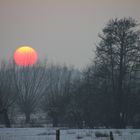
column 67, row 134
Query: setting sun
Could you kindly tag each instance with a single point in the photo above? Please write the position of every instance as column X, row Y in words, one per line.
column 25, row 56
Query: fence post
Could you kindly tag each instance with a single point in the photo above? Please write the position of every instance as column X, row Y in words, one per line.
column 57, row 134
column 111, row 135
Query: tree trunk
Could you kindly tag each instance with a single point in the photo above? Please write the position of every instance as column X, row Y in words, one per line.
column 119, row 96
column 6, row 118
column 27, row 115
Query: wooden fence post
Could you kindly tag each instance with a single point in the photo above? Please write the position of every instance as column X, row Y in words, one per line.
column 57, row 134
column 111, row 135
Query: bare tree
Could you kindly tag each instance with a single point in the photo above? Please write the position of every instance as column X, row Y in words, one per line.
column 117, row 56
column 57, row 93
column 7, row 90
column 30, row 85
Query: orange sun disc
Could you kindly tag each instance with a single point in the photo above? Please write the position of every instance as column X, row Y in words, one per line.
column 25, row 56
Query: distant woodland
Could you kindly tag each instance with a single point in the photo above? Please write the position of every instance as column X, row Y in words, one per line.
column 104, row 94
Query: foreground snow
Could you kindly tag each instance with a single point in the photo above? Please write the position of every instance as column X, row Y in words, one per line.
column 67, row 134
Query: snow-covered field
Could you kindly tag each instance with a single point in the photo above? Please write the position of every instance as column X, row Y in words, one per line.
column 67, row 134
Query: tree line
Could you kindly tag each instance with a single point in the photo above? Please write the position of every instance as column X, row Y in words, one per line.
column 106, row 93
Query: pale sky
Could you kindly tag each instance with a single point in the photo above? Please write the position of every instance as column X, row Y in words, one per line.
column 63, row 31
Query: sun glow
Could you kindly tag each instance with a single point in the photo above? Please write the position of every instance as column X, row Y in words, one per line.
column 25, row 56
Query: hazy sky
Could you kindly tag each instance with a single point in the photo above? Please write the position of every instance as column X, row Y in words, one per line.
column 63, row 31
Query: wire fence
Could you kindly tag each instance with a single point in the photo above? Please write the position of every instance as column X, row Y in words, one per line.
column 71, row 135
column 20, row 137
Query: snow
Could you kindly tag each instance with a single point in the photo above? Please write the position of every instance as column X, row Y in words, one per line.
column 66, row 134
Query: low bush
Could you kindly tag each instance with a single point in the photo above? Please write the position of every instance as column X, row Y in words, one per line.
column 101, row 134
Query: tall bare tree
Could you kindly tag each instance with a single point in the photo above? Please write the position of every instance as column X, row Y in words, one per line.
column 119, row 54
